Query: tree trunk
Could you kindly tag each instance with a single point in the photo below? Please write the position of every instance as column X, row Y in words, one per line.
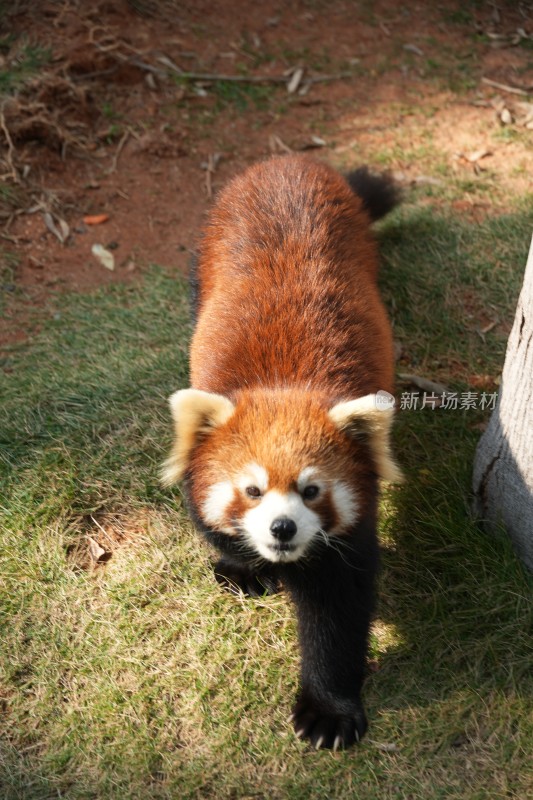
column 503, row 464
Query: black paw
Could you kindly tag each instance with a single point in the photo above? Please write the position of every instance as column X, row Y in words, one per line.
column 236, row 579
column 327, row 729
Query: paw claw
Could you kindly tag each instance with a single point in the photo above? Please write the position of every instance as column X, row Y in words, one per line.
column 325, row 727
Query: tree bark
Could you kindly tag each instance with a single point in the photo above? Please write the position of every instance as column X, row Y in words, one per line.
column 503, row 464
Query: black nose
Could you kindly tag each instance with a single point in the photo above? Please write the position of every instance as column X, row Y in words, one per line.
column 283, row 528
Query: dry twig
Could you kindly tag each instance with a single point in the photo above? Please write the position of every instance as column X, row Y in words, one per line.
column 505, row 88
column 124, row 138
column 10, row 150
column 277, row 145
column 422, row 383
column 215, row 76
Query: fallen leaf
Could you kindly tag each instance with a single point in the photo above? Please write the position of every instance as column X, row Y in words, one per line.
column 385, row 747
column 95, row 549
column 477, row 155
column 429, row 180
column 95, row 219
column 489, row 327
column 296, row 80
column 64, row 228
column 315, row 142
column 150, row 81
column 61, row 231
column 506, row 117
column 105, row 258
column 412, row 48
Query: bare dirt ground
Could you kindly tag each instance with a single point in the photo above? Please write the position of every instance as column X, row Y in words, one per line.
column 100, row 116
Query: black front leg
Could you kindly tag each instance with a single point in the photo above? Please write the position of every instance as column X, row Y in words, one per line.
column 334, row 597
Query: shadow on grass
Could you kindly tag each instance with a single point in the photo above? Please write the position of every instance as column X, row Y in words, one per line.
column 443, row 278
column 458, row 597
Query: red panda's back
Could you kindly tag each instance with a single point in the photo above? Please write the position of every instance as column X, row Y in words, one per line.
column 288, row 292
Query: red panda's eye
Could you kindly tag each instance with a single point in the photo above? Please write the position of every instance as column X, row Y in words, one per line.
column 310, row 492
column 253, row 491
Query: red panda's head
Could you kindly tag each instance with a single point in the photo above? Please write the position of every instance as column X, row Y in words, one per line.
column 279, row 469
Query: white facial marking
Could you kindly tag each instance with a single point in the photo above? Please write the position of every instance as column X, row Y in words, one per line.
column 310, row 477
column 257, row 521
column 214, row 508
column 345, row 503
column 253, row 475
column 306, row 477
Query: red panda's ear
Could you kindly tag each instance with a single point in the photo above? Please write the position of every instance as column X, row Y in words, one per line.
column 367, row 415
column 194, row 413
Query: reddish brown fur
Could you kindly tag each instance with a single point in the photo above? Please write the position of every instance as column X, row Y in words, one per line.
column 288, row 301
column 290, row 248
column 292, row 333
column 284, row 431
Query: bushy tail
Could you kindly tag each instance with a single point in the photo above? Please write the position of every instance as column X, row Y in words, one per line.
column 379, row 192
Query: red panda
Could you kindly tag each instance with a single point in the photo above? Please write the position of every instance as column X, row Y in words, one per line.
column 282, row 440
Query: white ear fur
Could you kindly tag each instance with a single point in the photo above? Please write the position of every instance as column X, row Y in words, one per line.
column 377, row 423
column 194, row 412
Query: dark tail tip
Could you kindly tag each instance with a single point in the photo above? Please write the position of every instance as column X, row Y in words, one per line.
column 379, row 192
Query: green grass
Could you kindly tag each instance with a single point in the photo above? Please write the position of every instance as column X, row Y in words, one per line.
column 141, row 678
column 442, row 279
column 9, row 261
column 230, row 95
column 28, row 62
column 10, row 197
column 417, row 153
column 242, row 96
